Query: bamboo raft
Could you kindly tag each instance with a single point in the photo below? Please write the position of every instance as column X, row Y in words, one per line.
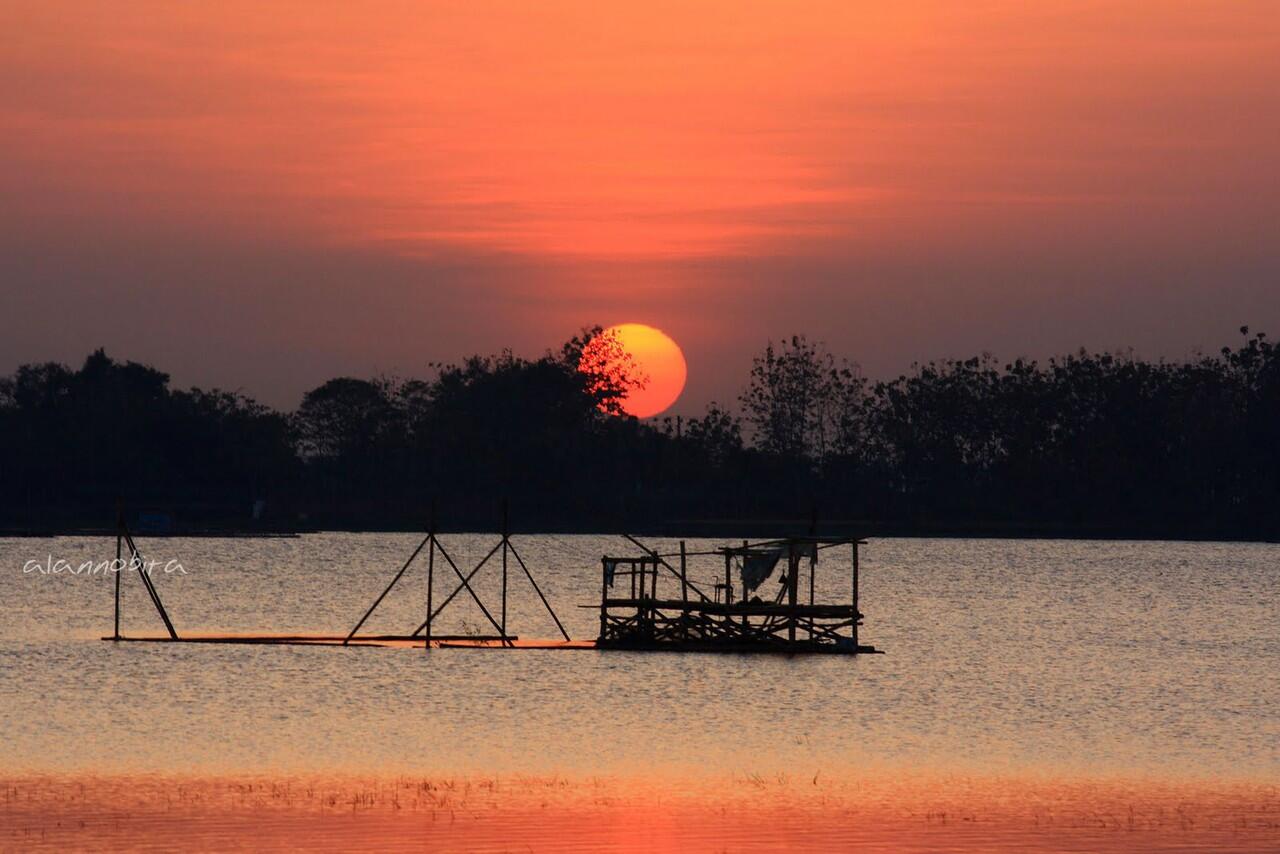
column 383, row 641
column 734, row 618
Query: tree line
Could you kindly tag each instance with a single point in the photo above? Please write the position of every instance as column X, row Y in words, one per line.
column 1086, row 444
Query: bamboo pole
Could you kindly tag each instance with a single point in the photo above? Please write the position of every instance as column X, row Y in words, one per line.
column 728, row 583
column 538, row 590
column 653, row 594
column 119, row 538
column 505, row 537
column 119, row 569
column 431, row 579
column 136, row 557
column 684, row 573
column 604, row 596
column 431, row 570
column 813, row 566
column 378, row 601
column 465, row 585
column 855, row 594
column 668, row 566
column 793, row 583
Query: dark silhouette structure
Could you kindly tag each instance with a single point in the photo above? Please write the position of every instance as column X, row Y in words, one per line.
column 735, row 618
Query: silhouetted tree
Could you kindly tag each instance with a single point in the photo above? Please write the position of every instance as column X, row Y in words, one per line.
column 346, row 418
column 1086, row 443
column 716, row 436
column 802, row 402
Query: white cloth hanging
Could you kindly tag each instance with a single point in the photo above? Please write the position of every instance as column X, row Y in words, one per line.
column 757, row 565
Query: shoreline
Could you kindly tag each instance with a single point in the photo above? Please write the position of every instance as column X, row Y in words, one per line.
column 710, row 530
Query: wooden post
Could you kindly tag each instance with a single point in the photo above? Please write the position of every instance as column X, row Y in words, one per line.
column 855, row 594
column 669, row 567
column 728, row 580
column 536, row 589
column 118, row 569
column 377, row 601
column 604, row 595
column 653, row 595
column 813, row 532
column 464, row 583
column 135, row 559
column 813, row 565
column 684, row 574
column 431, row 574
column 505, row 534
column 431, row 577
column 793, row 583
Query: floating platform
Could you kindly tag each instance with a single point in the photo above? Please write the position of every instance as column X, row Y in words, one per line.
column 464, row 642
column 402, row 641
column 742, row 615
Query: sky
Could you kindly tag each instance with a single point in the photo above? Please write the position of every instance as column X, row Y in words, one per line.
column 261, row 196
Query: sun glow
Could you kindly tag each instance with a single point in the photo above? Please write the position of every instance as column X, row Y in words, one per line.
column 659, row 359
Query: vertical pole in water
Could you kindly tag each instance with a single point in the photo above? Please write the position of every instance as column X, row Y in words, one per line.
column 684, row 592
column 505, row 642
column 855, row 595
column 684, row 574
column 653, row 596
column 647, row 592
column 431, row 569
column 793, row 583
column 813, row 559
column 118, row 568
column 431, row 573
column 728, row 579
column 604, row 594
column 813, row 565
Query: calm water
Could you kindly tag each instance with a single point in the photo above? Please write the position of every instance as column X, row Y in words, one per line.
column 1095, row 657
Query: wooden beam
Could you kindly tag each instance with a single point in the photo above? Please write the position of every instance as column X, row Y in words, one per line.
column 538, row 590
column 136, row 557
column 464, row 585
column 383, row 595
column 668, row 566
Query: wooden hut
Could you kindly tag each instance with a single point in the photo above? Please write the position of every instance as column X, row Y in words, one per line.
column 648, row 603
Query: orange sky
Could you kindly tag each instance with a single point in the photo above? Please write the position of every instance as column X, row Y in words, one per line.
column 282, row 192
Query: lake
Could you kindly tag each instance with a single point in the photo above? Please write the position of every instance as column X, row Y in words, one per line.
column 1027, row 659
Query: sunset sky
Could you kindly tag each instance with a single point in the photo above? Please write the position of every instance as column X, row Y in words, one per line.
column 264, row 195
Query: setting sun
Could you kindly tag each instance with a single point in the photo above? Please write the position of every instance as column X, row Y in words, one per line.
column 658, row 359
column 344, row 352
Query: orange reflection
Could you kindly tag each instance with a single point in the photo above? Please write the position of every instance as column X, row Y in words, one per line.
column 745, row 812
